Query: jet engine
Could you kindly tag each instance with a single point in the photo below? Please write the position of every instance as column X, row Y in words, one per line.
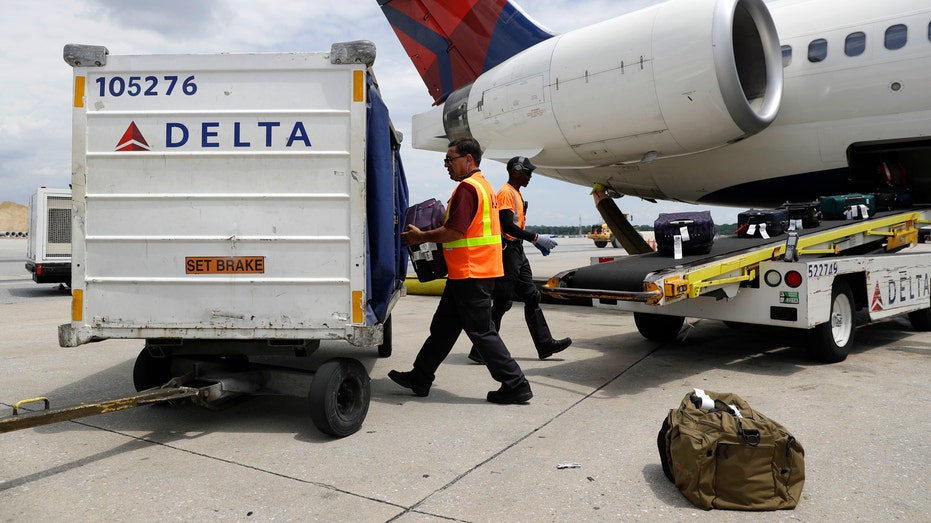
column 676, row 78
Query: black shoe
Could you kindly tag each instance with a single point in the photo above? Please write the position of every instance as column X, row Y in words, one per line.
column 553, row 347
column 507, row 396
column 409, row 381
column 476, row 357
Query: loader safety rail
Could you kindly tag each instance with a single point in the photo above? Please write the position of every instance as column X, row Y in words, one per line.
column 657, row 280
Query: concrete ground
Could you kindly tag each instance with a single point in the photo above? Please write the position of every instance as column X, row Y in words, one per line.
column 864, row 423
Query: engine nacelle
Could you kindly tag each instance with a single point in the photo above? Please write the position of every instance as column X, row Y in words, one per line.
column 672, row 79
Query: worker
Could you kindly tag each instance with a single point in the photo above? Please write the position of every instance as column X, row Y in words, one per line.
column 518, row 278
column 471, row 238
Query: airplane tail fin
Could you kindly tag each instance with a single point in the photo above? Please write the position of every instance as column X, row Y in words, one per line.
column 452, row 43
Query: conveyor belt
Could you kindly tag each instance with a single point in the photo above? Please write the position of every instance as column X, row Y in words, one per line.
column 628, row 272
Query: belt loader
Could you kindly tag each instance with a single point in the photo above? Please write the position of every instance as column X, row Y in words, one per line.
column 814, row 279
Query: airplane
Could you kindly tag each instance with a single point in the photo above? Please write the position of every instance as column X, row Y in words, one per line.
column 722, row 102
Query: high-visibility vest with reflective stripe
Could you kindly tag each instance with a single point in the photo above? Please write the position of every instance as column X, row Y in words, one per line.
column 509, row 197
column 478, row 253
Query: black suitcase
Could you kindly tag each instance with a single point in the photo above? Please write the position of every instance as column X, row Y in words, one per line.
column 762, row 223
column 428, row 260
column 695, row 228
column 890, row 198
column 808, row 214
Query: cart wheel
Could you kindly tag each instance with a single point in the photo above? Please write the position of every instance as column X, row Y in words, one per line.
column 601, row 245
column 920, row 319
column 149, row 371
column 384, row 350
column 658, row 327
column 339, row 396
column 830, row 342
column 615, row 243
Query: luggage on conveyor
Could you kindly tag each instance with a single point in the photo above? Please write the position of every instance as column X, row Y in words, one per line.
column 696, row 230
column 848, row 206
column 805, row 215
column 762, row 223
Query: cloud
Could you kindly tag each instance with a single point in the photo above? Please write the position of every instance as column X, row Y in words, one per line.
column 36, row 84
column 175, row 18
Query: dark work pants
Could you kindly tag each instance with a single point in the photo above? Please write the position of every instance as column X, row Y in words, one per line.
column 466, row 306
column 518, row 281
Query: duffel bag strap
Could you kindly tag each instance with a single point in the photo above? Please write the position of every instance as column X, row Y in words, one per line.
column 751, row 436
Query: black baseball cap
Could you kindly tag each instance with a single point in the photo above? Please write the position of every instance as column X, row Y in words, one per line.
column 520, row 163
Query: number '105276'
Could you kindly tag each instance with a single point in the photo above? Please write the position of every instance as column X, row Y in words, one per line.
column 146, row 85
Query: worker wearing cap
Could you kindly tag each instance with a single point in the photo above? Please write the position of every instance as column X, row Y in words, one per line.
column 471, row 238
column 518, row 278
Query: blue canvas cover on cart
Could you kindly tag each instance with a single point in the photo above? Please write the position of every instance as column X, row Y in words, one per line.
column 387, row 200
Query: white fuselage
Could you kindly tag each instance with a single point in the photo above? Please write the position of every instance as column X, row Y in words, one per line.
column 877, row 96
column 642, row 103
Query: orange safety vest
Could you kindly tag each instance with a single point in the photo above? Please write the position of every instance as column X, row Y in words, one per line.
column 478, row 253
column 510, row 198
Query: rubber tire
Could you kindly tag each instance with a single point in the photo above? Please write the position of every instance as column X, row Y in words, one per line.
column 150, row 372
column 830, row 342
column 615, row 243
column 601, row 245
column 920, row 319
column 386, row 347
column 339, row 397
column 658, row 327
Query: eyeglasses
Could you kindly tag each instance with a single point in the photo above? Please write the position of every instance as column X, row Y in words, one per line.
column 449, row 159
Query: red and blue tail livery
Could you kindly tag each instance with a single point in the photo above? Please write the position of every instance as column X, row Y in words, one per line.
column 451, row 43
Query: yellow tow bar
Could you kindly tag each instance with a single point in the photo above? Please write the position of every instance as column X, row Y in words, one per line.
column 47, row 416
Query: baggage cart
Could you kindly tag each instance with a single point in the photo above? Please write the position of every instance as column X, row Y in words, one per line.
column 234, row 206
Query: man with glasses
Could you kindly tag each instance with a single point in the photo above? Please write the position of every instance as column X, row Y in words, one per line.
column 471, row 238
column 518, row 278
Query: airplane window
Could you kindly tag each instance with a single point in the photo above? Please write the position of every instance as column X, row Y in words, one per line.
column 787, row 53
column 817, row 50
column 855, row 44
column 896, row 36
column 929, row 30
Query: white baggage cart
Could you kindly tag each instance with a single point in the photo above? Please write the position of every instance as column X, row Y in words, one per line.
column 230, row 206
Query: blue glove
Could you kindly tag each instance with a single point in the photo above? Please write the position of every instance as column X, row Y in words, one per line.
column 545, row 244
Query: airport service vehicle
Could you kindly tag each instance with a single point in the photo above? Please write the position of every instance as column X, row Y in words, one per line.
column 814, row 279
column 231, row 208
column 601, row 235
column 48, row 248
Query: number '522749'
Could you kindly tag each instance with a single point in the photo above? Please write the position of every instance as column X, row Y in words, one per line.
column 822, row 269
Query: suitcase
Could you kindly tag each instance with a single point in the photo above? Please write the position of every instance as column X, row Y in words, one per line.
column 427, row 258
column 695, row 228
column 805, row 215
column 890, row 198
column 848, row 206
column 762, row 223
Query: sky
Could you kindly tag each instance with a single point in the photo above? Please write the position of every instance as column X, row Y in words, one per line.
column 36, row 83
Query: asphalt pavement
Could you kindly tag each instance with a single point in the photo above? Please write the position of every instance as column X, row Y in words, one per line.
column 583, row 449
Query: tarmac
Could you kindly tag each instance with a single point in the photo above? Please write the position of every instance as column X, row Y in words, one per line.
column 583, row 449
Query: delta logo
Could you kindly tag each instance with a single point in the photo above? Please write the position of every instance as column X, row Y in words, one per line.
column 209, row 135
column 132, row 140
